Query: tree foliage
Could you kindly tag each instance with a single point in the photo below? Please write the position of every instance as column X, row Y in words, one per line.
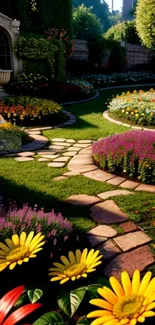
column 125, row 31
column 85, row 24
column 100, row 9
column 145, row 22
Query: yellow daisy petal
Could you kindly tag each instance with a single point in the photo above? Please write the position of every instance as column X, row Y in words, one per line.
column 59, row 266
column 4, row 248
column 37, row 250
column 26, row 259
column 12, row 265
column 124, row 321
column 29, row 238
column 78, row 255
column 90, row 255
column 107, row 294
column 71, row 257
column 10, row 243
column 112, row 322
column 149, row 313
column 98, row 313
column 3, row 266
column 22, row 238
column 135, row 282
column 64, row 280
column 73, row 278
column 133, row 322
column 102, row 320
column 84, row 255
column 150, row 306
column 84, row 275
column 101, row 303
column 35, row 239
column 78, row 276
column 150, row 288
column 56, row 278
column 64, row 260
column 116, row 287
column 144, row 283
column 126, row 283
column 32, row 255
column 36, row 243
column 15, row 239
column 20, row 262
column 141, row 319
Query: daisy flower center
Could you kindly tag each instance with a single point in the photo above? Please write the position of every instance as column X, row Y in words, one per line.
column 128, row 306
column 17, row 254
column 75, row 269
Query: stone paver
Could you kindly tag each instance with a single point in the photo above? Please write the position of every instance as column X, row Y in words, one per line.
column 46, row 152
column 73, row 173
column 56, row 147
column 106, row 195
column 81, row 145
column 129, row 226
column 49, row 156
column 58, row 140
column 99, row 175
column 103, row 230
column 82, row 169
column 73, row 149
column 137, row 259
column 59, row 178
column 69, row 154
column 56, row 164
column 84, row 160
column 26, row 154
column 85, row 141
column 107, row 212
column 24, row 159
column 132, row 240
column 82, row 199
column 63, row 159
column 64, row 144
column 116, row 180
column 43, row 159
column 96, row 240
column 34, row 132
column 129, row 184
column 70, row 141
column 146, row 188
column 86, row 151
column 109, row 249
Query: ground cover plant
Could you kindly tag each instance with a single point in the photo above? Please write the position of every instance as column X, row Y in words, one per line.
column 132, row 153
column 137, row 107
column 12, row 137
column 27, row 111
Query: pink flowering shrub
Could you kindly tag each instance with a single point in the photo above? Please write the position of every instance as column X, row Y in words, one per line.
column 15, row 220
column 132, row 153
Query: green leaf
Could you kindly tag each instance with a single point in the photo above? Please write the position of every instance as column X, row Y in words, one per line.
column 21, row 300
column 82, row 321
column 34, row 295
column 69, row 301
column 92, row 289
column 49, row 319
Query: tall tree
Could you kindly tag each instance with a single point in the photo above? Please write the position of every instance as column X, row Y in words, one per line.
column 145, row 22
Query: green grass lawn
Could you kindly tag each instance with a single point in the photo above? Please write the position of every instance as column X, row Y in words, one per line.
column 32, row 181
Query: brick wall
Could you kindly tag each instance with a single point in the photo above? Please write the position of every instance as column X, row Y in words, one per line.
column 137, row 55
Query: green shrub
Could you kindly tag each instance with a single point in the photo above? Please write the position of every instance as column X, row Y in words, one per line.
column 145, row 22
column 24, row 110
column 137, row 107
column 124, row 31
column 12, row 137
column 29, row 82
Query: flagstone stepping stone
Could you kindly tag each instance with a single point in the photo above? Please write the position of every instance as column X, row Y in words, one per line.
column 86, row 151
column 50, row 156
column 138, row 259
column 99, row 175
column 80, row 161
column 56, row 147
column 72, row 173
column 106, row 195
column 56, row 164
column 81, row 145
column 82, row 169
column 129, row 226
column 46, row 152
column 146, row 188
column 59, row 178
column 109, row 249
column 82, row 199
column 96, row 240
column 58, row 140
column 63, row 159
column 34, row 132
column 24, row 159
column 64, row 144
column 129, row 184
column 69, row 154
column 107, row 212
column 73, row 149
column 116, row 180
column 103, row 230
column 26, row 154
column 70, row 141
column 132, row 240
column 43, row 159
column 84, row 141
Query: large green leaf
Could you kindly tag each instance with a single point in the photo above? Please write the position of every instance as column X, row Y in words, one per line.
column 92, row 289
column 69, row 301
column 34, row 295
column 49, row 319
column 82, row 321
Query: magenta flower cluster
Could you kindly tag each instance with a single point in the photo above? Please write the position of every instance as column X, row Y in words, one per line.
column 15, row 220
column 132, row 152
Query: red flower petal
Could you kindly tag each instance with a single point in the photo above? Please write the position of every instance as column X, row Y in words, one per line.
column 8, row 300
column 20, row 313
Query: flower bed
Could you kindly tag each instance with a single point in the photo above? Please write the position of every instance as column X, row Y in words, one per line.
column 122, row 78
column 12, row 137
column 131, row 153
column 137, row 107
column 28, row 111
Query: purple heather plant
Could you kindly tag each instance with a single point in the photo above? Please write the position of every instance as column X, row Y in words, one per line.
column 15, row 220
column 132, row 152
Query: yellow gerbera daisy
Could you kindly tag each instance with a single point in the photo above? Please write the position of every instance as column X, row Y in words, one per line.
column 128, row 304
column 19, row 249
column 75, row 266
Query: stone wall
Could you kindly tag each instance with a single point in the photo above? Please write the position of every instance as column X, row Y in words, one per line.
column 137, row 55
column 81, row 50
